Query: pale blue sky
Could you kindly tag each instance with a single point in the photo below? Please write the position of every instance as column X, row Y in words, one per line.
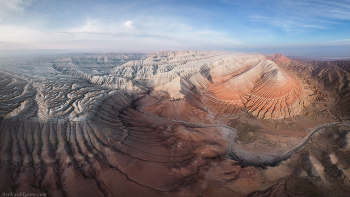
column 293, row 27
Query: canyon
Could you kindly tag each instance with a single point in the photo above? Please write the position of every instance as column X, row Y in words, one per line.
column 174, row 123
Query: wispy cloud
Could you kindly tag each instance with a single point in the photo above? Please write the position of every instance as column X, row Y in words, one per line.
column 294, row 15
column 157, row 32
column 329, row 9
column 258, row 17
column 10, row 7
column 335, row 42
column 156, row 28
column 12, row 4
column 314, row 26
column 290, row 23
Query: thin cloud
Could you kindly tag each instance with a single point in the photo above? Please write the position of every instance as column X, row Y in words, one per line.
column 9, row 8
column 315, row 26
column 12, row 4
column 335, row 42
column 90, row 26
column 293, row 15
column 258, row 17
column 290, row 24
column 157, row 32
column 328, row 9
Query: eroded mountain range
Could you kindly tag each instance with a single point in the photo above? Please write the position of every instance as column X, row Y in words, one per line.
column 174, row 124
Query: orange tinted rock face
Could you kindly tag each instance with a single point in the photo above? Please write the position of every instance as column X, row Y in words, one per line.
column 278, row 58
column 264, row 90
column 273, row 94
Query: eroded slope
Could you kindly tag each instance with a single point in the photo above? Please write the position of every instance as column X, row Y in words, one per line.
column 163, row 124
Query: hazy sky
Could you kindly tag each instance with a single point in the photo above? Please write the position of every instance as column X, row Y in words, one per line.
column 266, row 26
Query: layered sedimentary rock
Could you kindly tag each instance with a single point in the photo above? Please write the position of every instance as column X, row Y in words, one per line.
column 330, row 76
column 226, row 83
column 163, row 124
column 259, row 87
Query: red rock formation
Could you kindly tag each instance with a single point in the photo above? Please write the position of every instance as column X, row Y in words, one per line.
column 264, row 90
column 278, row 58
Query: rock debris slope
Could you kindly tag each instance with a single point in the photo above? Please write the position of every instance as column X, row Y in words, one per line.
column 149, row 124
